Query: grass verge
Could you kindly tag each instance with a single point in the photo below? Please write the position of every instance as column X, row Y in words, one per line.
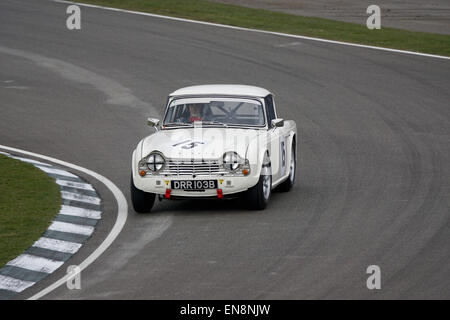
column 287, row 23
column 29, row 200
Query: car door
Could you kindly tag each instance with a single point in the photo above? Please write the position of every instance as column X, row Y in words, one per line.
column 277, row 142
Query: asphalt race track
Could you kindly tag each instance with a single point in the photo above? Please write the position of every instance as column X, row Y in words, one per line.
column 373, row 182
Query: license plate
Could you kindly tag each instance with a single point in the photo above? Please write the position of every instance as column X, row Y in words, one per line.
column 193, row 184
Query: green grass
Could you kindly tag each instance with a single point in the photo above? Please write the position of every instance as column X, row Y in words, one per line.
column 29, row 200
column 281, row 22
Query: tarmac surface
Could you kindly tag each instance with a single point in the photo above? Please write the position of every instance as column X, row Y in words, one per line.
column 373, row 178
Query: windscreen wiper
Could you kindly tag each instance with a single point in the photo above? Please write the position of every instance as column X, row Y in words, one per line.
column 215, row 123
column 176, row 124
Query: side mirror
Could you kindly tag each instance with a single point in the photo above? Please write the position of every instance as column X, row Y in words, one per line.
column 278, row 122
column 152, row 122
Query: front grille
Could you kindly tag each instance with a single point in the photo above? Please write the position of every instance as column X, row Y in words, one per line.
column 205, row 167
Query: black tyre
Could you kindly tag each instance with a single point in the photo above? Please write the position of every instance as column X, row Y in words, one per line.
column 259, row 195
column 142, row 201
column 289, row 182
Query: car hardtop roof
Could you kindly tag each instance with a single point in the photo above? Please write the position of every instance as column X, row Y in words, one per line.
column 221, row 89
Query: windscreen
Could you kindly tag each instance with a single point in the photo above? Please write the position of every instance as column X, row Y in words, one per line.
column 217, row 111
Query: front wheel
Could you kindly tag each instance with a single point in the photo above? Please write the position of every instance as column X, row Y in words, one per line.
column 258, row 196
column 142, row 201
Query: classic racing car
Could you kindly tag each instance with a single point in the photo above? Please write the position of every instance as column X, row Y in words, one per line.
column 215, row 141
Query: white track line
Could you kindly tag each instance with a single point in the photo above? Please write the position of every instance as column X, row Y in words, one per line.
column 80, row 197
column 35, row 263
column 71, row 228
column 256, row 30
column 122, row 214
column 76, row 185
column 80, row 212
column 12, row 284
column 57, row 245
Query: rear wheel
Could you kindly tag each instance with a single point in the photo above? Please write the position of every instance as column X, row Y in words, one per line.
column 142, row 201
column 289, row 182
column 258, row 196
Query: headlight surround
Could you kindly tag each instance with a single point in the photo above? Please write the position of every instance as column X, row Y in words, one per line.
column 155, row 162
column 232, row 161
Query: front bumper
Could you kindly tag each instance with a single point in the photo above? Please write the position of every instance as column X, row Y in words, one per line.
column 159, row 184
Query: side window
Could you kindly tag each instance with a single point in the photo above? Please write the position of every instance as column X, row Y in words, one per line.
column 270, row 109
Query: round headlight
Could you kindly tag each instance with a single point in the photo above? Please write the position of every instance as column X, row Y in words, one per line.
column 155, row 162
column 231, row 161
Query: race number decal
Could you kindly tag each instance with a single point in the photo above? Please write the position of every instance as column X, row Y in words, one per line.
column 282, row 155
column 188, row 144
column 191, row 145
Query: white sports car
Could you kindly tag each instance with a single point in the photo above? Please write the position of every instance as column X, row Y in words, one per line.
column 215, row 141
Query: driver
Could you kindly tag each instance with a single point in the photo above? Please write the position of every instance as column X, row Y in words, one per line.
column 195, row 111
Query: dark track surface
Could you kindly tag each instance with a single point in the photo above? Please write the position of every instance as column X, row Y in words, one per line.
column 374, row 175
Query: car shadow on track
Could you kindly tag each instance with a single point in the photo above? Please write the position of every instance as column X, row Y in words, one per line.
column 213, row 206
